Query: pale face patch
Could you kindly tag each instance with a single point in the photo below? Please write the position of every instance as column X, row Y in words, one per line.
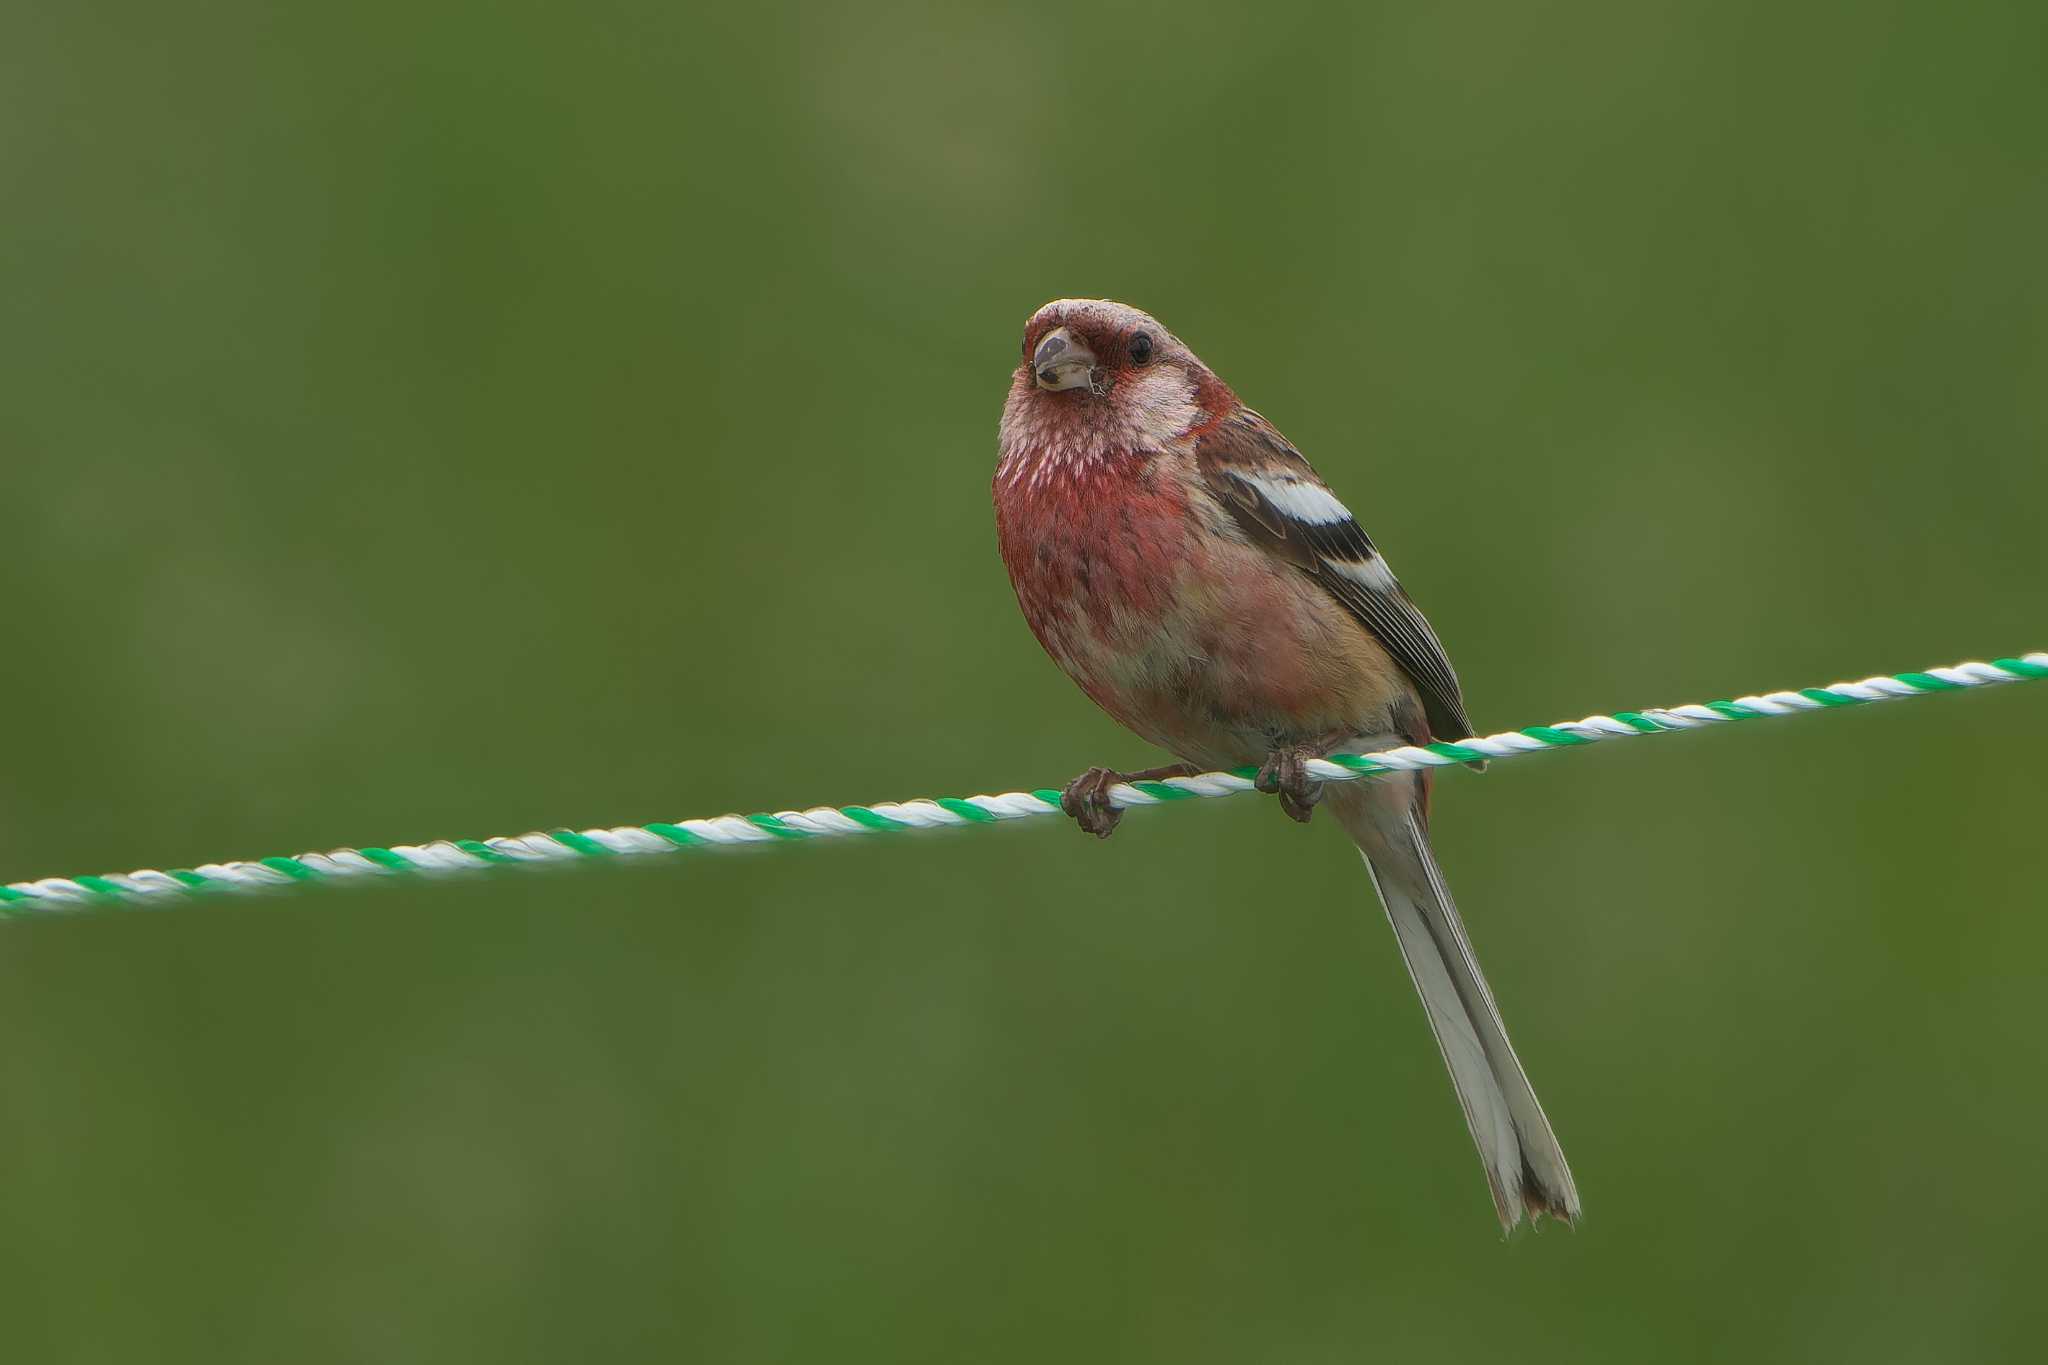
column 1145, row 411
column 1045, row 433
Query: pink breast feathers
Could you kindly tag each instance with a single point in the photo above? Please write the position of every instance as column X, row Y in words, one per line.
column 1097, row 554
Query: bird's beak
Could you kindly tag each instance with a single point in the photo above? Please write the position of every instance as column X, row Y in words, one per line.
column 1062, row 362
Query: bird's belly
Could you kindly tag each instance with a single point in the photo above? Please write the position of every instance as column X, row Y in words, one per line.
column 1202, row 644
column 1244, row 663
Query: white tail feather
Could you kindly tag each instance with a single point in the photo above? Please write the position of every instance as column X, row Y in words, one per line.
column 1524, row 1164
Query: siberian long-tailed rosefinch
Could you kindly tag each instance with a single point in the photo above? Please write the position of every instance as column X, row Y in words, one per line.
column 1184, row 565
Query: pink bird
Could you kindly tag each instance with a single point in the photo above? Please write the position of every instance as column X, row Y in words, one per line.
column 1184, row 564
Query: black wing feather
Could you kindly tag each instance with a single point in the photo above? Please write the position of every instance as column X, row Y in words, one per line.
column 1248, row 448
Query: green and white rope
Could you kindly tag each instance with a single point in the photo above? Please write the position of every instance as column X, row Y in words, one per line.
column 563, row 845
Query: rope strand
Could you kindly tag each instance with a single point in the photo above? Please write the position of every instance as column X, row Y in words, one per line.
column 563, row 845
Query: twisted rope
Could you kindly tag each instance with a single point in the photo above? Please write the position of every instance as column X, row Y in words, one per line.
column 563, row 845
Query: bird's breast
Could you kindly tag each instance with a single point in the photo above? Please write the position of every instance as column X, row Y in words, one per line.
column 1143, row 590
column 1096, row 553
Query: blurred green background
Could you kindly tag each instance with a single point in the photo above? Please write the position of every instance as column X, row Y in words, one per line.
column 456, row 419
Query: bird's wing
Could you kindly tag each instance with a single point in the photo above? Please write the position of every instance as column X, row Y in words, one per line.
column 1287, row 510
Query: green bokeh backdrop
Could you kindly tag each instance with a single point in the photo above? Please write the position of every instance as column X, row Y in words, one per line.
column 455, row 419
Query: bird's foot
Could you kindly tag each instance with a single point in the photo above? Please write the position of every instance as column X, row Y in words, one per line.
column 1285, row 774
column 1086, row 798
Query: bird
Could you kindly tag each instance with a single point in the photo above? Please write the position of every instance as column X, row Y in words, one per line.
column 1181, row 561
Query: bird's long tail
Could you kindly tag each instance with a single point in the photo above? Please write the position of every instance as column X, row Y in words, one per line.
column 1524, row 1164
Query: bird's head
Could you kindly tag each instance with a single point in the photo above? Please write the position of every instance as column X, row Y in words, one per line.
column 1098, row 377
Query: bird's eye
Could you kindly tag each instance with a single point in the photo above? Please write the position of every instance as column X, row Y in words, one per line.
column 1141, row 348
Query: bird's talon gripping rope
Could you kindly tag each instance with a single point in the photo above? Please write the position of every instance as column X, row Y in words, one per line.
column 1091, row 798
column 1086, row 799
column 1285, row 774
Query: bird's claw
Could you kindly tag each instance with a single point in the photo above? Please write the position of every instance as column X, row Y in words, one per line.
column 1086, row 798
column 1285, row 774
